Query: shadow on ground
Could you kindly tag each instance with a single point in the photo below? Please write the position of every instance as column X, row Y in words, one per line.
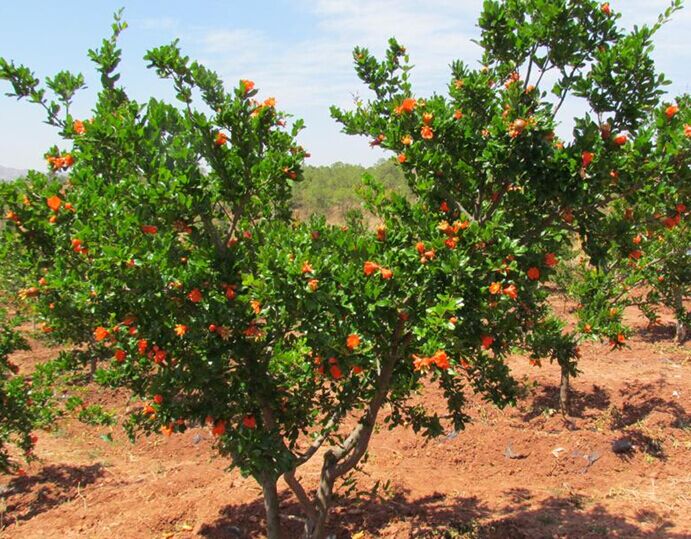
column 53, row 485
column 438, row 517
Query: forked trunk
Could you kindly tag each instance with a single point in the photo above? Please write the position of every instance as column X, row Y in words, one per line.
column 271, row 506
column 564, row 391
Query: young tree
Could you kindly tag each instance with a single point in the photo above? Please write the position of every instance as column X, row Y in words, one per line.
column 487, row 153
column 172, row 232
column 16, row 409
column 644, row 238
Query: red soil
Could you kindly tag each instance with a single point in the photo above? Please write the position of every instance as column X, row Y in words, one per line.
column 465, row 486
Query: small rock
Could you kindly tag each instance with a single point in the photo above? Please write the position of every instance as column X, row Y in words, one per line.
column 623, row 445
column 196, row 438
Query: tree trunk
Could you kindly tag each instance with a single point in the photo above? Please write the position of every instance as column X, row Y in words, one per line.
column 273, row 522
column 564, row 391
column 680, row 312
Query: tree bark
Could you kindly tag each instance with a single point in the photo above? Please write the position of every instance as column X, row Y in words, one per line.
column 564, row 391
column 679, row 310
column 271, row 506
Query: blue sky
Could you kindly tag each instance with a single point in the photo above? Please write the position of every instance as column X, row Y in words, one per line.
column 298, row 51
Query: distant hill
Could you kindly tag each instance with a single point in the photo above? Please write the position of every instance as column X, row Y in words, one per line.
column 7, row 173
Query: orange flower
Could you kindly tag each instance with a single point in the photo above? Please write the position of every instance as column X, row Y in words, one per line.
column 78, row 127
column 621, row 338
column 671, row 111
column 620, row 140
column 101, row 333
column 587, row 158
column 511, row 291
column 427, row 118
column 256, row 306
column 386, row 274
column 313, row 284
column 221, row 139
column 567, row 215
column 441, row 359
column 120, row 355
column 402, row 158
column 271, row 102
column 353, row 341
column 687, row 130
column 219, row 428
column 381, row 233
column 408, row 105
column 495, row 288
column 248, row 85
column 407, row 140
column 420, row 247
column 426, row 132
column 68, row 160
column 52, row 219
column 12, row 216
column 54, row 202
column 551, row 260
column 149, row 229
column 533, row 273
column 370, row 268
column 307, row 268
column 587, row 328
column 635, row 254
column 487, row 342
column 167, row 430
column 637, row 239
column 195, row 296
column 606, row 9
column 421, row 363
column 180, row 330
column 451, row 242
column 457, row 114
column 249, row 422
column 149, row 410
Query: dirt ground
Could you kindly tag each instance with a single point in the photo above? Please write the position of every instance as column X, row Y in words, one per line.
column 564, row 481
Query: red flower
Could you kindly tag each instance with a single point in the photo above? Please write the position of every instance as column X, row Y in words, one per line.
column 142, row 345
column 444, row 206
column 408, row 105
column 441, row 359
column 336, row 372
column 635, row 254
column 101, row 333
column 386, row 274
column 248, row 85
column 353, row 341
column 195, row 296
column 120, row 355
column 551, row 260
column 487, row 341
column 313, row 284
column 533, row 273
column 381, row 233
column 221, row 139
column 249, row 422
column 671, row 111
column 606, row 9
column 587, row 158
column 307, row 268
column 54, row 202
column 620, row 140
column 158, row 399
column 160, row 356
column 451, row 242
column 219, row 428
column 511, row 291
column 420, row 247
column 370, row 268
column 230, row 291
column 426, row 132
column 150, row 229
